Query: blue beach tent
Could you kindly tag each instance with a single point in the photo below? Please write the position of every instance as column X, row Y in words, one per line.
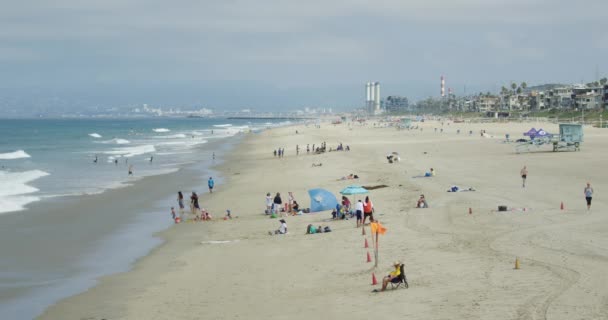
column 321, row 200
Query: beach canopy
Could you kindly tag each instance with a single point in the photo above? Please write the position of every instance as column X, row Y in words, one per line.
column 321, row 200
column 531, row 133
column 353, row 189
column 543, row 133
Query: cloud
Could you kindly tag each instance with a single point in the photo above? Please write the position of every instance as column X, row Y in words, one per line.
column 300, row 45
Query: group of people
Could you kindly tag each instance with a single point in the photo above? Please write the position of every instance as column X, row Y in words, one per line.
column 320, row 229
column 200, row 214
column 274, row 205
column 279, row 152
column 362, row 210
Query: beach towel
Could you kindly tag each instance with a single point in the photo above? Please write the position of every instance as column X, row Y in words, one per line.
column 459, row 189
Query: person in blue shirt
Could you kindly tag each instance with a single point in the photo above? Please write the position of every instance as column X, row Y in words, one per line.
column 210, row 184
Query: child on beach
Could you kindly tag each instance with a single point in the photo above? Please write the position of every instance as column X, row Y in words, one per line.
column 210, row 184
column 282, row 229
column 524, row 175
column 172, row 213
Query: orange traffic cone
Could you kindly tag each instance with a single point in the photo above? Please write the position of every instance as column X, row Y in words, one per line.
column 374, row 281
column 366, row 244
column 363, row 231
column 369, row 258
column 470, row 211
column 562, row 206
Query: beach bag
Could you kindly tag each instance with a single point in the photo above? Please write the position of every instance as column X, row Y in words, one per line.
column 327, row 229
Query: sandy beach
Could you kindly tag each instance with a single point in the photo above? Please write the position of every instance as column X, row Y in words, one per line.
column 459, row 265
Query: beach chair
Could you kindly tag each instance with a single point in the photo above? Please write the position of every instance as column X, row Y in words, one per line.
column 402, row 279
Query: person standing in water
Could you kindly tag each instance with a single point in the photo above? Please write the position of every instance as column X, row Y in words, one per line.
column 131, row 170
column 151, row 158
column 210, row 184
column 524, row 175
column 95, row 161
column 180, row 201
column 588, row 195
column 214, row 156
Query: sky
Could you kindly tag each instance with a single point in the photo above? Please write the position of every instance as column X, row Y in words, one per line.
column 282, row 54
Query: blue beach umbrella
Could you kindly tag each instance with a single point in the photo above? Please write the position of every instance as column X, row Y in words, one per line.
column 321, row 200
column 354, row 189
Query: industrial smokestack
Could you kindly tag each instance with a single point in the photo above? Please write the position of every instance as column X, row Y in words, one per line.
column 442, row 86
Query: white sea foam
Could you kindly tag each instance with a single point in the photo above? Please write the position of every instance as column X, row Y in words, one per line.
column 13, row 188
column 222, row 125
column 219, row 241
column 95, row 135
column 132, row 151
column 117, row 141
column 121, row 141
column 173, row 136
column 14, row 155
column 161, row 130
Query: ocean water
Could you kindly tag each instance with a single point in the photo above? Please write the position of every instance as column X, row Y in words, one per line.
column 49, row 158
column 48, row 255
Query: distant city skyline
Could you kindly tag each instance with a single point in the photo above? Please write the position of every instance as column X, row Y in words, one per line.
column 272, row 55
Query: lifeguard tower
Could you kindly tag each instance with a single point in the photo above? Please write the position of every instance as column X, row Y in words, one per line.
column 570, row 137
column 405, row 123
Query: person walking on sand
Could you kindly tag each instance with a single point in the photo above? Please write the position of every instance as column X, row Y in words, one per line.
column 588, row 195
column 524, row 175
column 368, row 210
column 210, row 184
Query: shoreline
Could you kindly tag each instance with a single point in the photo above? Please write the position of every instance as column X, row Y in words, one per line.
column 459, row 265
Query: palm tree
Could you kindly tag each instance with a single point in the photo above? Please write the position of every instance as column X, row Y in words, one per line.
column 519, row 90
column 524, row 85
column 513, row 87
column 503, row 90
column 603, row 81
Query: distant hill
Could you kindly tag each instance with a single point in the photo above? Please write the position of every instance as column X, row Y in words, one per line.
column 544, row 87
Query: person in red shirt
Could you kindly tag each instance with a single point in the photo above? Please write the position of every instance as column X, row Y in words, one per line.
column 368, row 210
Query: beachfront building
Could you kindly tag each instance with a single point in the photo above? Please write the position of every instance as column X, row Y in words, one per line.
column 587, row 98
column 486, row 103
column 396, row 104
column 536, row 100
column 605, row 96
column 559, row 98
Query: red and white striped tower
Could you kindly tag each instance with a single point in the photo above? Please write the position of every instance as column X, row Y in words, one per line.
column 442, row 86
